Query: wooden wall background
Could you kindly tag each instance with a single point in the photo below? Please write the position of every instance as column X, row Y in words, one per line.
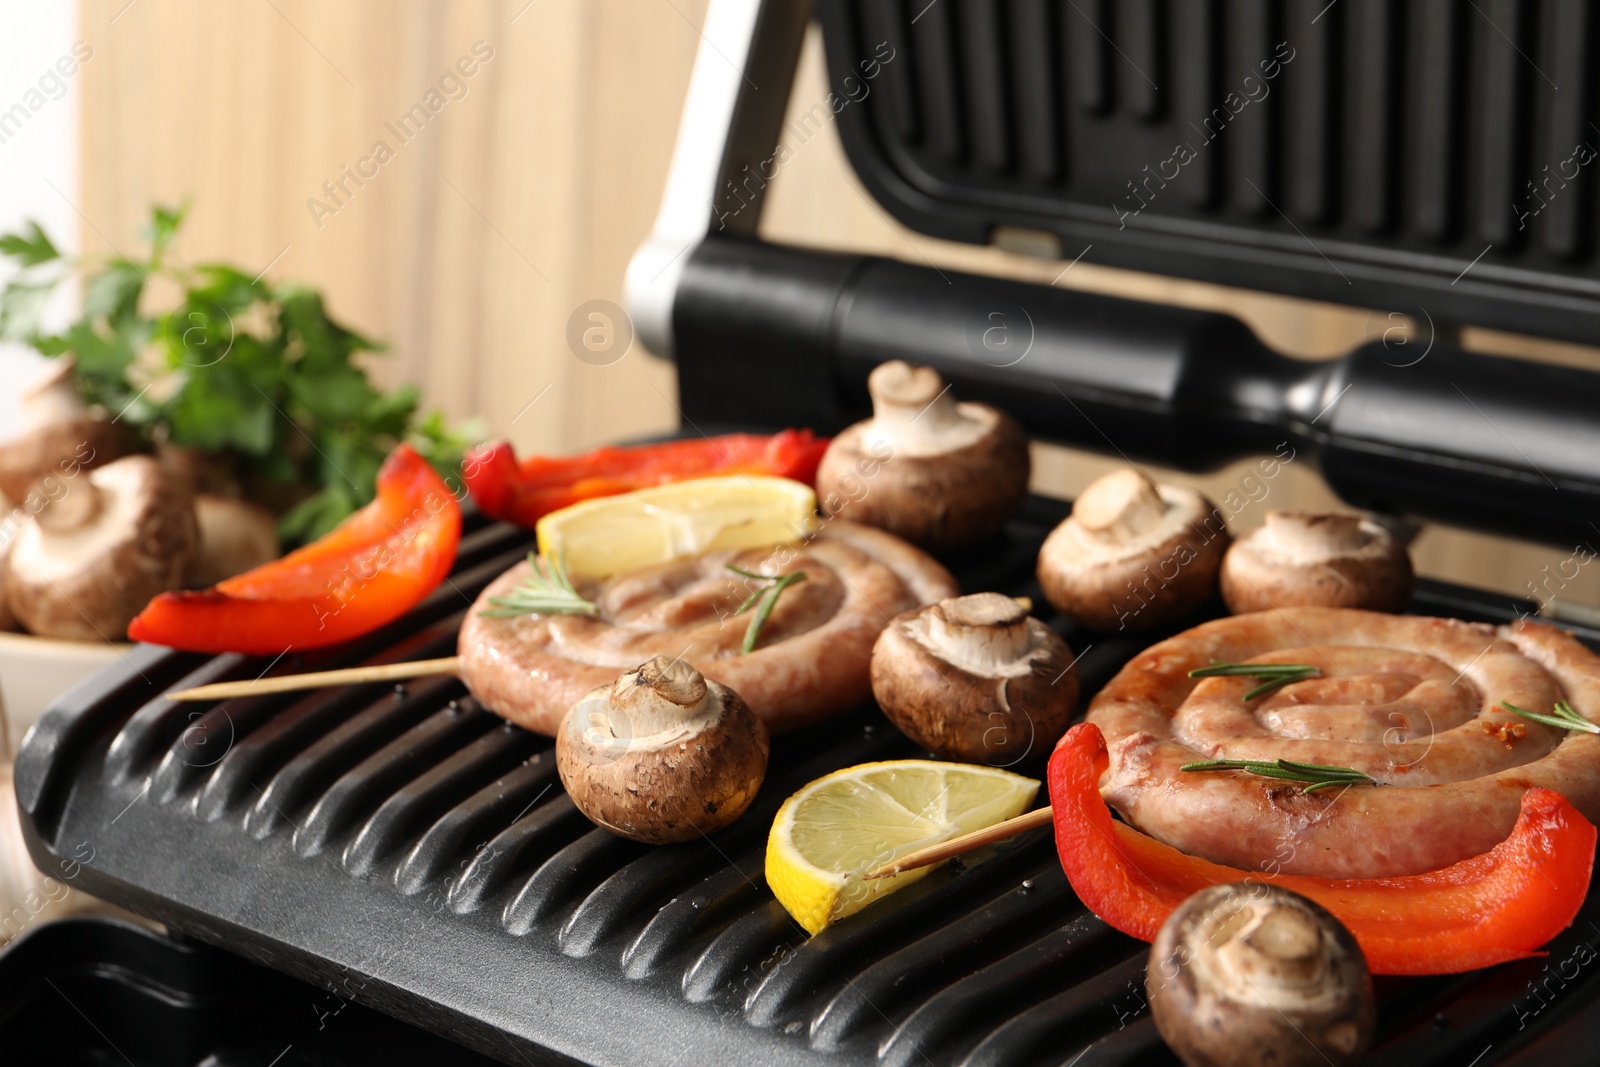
column 526, row 197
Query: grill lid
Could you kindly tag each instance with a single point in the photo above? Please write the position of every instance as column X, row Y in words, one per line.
column 1428, row 158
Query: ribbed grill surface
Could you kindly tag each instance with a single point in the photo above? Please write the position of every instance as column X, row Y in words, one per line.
column 403, row 846
column 1289, row 145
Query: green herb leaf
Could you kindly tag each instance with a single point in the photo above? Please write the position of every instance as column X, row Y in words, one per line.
column 260, row 374
column 1562, row 717
column 765, row 598
column 1315, row 775
column 1273, row 675
column 547, row 591
column 164, row 224
column 113, row 293
column 30, row 247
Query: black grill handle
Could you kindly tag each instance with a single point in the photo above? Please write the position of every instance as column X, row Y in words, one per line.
column 767, row 334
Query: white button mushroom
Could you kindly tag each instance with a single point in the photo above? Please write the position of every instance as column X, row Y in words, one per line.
column 1305, row 560
column 1249, row 974
column 1133, row 555
column 662, row 754
column 975, row 678
column 940, row 474
column 99, row 549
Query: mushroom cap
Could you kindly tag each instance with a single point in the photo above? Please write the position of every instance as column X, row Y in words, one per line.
column 1133, row 555
column 58, row 435
column 235, row 535
column 1300, row 559
column 1248, row 974
column 99, row 549
column 662, row 754
column 974, row 678
column 941, row 474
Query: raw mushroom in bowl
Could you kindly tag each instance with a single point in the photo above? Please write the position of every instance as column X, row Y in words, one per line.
column 1133, row 555
column 975, row 678
column 58, row 435
column 1306, row 560
column 941, row 474
column 104, row 544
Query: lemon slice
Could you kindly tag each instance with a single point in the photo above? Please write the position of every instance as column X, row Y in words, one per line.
column 620, row 533
column 855, row 820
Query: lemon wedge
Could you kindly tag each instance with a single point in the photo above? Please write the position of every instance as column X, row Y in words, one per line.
column 620, row 533
column 857, row 819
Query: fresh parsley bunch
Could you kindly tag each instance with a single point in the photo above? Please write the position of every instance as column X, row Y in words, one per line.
column 254, row 373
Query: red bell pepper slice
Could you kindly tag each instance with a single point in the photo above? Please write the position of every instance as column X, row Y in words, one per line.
column 527, row 490
column 367, row 571
column 1501, row 905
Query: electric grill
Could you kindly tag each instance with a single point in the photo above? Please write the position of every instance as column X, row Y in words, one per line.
column 406, row 851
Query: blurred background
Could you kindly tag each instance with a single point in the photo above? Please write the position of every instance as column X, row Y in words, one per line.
column 520, row 199
column 458, row 179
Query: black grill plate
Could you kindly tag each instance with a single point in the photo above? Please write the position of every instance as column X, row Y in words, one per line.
column 405, row 850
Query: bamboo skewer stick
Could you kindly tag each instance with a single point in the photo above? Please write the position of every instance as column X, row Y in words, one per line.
column 288, row 683
column 390, row 672
column 927, row 857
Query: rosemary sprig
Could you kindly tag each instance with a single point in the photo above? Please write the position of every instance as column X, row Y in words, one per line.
column 1273, row 675
column 1315, row 775
column 765, row 598
column 1562, row 717
column 547, row 591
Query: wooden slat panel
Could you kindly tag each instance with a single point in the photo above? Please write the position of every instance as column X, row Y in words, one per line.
column 471, row 246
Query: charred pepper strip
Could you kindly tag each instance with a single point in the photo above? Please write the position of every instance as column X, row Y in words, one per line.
column 365, row 572
column 1501, row 905
column 524, row 491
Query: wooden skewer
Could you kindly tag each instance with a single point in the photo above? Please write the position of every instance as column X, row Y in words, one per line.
column 391, row 672
column 927, row 857
column 288, row 683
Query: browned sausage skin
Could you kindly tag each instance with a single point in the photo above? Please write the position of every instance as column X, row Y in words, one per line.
column 1414, row 702
column 811, row 663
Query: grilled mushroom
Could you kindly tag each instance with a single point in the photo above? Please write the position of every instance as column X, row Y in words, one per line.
column 1249, row 974
column 662, row 754
column 1305, row 560
column 974, row 678
column 57, row 435
column 102, row 545
column 940, row 474
column 1133, row 555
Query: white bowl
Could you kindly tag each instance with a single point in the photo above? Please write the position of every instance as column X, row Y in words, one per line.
column 36, row 670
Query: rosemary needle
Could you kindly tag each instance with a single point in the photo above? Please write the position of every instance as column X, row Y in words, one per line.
column 1273, row 675
column 547, row 591
column 1315, row 775
column 1561, row 716
column 764, row 598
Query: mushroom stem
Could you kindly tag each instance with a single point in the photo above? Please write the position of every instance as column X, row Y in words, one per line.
column 984, row 630
column 670, row 690
column 903, row 394
column 1300, row 534
column 1118, row 508
column 73, row 510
